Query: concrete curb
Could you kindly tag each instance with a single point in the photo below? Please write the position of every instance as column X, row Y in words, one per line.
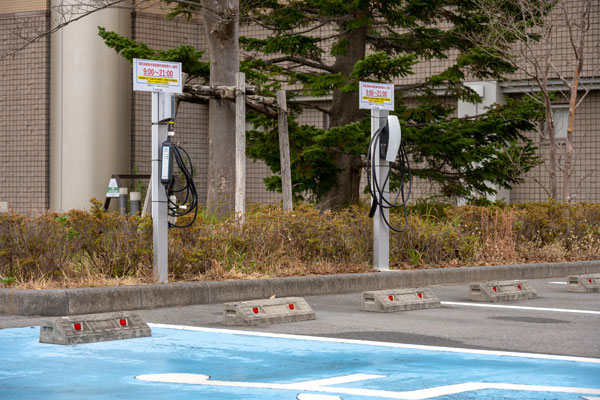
column 62, row 302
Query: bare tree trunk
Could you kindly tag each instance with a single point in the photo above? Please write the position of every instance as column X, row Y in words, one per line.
column 577, row 35
column 536, row 59
column 542, row 67
column 344, row 110
column 551, row 132
column 284, row 152
column 568, row 167
column 221, row 23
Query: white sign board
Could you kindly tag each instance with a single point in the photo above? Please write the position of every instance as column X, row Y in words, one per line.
column 376, row 96
column 157, row 76
column 113, row 188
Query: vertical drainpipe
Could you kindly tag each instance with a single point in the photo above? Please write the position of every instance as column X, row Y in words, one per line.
column 90, row 92
column 490, row 93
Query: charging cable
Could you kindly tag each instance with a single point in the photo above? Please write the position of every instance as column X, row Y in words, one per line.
column 400, row 166
column 186, row 193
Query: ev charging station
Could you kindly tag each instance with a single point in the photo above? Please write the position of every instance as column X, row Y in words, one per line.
column 164, row 80
column 163, row 111
column 383, row 150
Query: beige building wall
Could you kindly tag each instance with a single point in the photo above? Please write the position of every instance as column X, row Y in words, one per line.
column 19, row 6
column 585, row 182
column 90, row 109
column 24, row 107
column 560, row 48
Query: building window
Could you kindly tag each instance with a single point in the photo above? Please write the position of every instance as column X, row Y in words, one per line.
column 560, row 114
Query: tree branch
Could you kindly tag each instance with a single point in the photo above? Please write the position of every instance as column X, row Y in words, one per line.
column 312, row 106
column 302, row 61
column 65, row 21
column 201, row 94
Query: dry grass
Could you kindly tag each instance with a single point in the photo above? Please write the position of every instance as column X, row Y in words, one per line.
column 82, row 249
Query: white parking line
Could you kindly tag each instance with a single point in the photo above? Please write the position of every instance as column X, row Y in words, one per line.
column 378, row 344
column 558, row 283
column 564, row 310
column 311, row 396
column 321, row 386
column 338, row 380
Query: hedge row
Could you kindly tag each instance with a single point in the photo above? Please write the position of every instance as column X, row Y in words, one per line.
column 82, row 248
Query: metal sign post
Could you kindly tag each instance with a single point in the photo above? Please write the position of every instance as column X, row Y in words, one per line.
column 381, row 231
column 160, row 227
column 163, row 79
column 379, row 98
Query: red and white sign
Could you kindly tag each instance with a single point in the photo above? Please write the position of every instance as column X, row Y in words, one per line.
column 157, row 76
column 376, row 96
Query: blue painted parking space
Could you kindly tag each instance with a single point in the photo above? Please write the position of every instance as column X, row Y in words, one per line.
column 200, row 363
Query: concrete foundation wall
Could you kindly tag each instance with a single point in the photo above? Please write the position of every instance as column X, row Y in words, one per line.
column 57, row 302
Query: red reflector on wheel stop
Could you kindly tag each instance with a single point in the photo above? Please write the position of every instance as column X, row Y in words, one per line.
column 501, row 291
column 589, row 280
column 274, row 310
column 399, row 299
column 93, row 328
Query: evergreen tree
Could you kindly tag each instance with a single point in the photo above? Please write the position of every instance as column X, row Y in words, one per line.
column 328, row 46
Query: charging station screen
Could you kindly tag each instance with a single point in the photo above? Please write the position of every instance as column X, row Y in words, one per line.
column 164, row 175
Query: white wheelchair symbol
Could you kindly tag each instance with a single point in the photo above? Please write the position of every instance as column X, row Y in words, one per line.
column 317, row 387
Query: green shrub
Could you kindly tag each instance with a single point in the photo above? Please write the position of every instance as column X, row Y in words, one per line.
column 77, row 244
column 431, row 241
column 272, row 243
column 95, row 247
column 552, row 222
column 33, row 250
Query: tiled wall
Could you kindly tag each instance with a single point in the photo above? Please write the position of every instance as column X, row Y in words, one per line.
column 560, row 47
column 585, row 182
column 191, row 128
column 24, row 112
column 256, row 171
column 192, row 119
column 14, row 6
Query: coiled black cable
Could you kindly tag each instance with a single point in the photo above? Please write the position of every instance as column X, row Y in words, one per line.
column 187, row 192
column 401, row 166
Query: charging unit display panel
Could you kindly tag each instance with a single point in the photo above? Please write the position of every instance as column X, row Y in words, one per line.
column 166, row 170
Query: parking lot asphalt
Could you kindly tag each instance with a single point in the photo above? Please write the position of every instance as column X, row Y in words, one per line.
column 556, row 322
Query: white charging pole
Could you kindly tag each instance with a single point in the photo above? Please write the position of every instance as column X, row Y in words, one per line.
column 163, row 79
column 379, row 98
column 160, row 228
column 381, row 231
